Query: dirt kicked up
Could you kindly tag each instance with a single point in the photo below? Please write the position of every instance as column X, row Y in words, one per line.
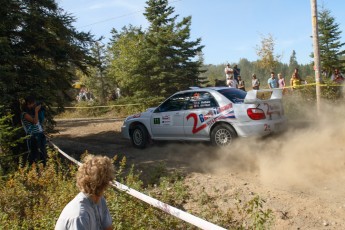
column 300, row 174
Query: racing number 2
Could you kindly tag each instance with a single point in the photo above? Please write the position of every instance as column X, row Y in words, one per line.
column 195, row 117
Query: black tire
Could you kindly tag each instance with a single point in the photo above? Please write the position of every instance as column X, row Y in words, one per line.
column 139, row 137
column 222, row 135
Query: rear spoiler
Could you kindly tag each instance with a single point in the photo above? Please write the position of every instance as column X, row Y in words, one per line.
column 263, row 95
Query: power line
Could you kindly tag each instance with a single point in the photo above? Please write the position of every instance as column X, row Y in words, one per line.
column 121, row 16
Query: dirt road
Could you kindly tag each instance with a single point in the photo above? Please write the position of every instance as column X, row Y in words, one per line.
column 300, row 174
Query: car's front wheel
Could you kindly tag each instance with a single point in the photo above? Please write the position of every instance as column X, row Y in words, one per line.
column 139, row 137
column 223, row 134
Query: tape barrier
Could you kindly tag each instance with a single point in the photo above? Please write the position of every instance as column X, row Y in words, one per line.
column 314, row 84
column 96, row 106
column 189, row 218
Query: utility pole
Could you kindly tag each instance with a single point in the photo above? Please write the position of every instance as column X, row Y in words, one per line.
column 316, row 52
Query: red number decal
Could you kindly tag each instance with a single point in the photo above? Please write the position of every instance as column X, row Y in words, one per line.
column 195, row 117
column 267, row 127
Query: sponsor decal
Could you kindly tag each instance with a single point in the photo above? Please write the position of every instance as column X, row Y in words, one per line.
column 195, row 129
column 137, row 115
column 210, row 117
column 156, row 121
column 267, row 128
column 166, row 120
column 272, row 109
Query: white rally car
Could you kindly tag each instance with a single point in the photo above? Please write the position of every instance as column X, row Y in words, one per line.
column 216, row 114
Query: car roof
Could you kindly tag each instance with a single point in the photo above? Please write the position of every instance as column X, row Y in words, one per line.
column 207, row 89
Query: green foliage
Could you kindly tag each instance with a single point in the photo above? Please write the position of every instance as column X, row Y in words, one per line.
column 267, row 59
column 259, row 218
column 329, row 39
column 39, row 51
column 159, row 61
column 293, row 62
column 33, row 198
column 10, row 139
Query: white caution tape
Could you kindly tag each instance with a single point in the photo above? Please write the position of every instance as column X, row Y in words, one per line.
column 196, row 221
column 95, row 106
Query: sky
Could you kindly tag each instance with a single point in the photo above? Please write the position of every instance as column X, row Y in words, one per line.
column 229, row 29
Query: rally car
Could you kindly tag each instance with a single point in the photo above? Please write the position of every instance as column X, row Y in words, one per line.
column 215, row 114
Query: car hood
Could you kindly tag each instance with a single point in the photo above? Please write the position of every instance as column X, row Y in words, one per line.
column 145, row 114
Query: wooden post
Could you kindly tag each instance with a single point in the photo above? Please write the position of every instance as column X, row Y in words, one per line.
column 316, row 52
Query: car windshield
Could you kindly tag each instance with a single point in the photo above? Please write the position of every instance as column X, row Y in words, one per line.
column 234, row 95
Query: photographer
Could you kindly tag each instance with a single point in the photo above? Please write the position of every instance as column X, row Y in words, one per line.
column 32, row 118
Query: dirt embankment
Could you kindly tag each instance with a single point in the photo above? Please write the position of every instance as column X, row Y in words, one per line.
column 300, row 174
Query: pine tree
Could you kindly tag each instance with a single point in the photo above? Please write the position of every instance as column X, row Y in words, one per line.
column 170, row 66
column 39, row 51
column 293, row 62
column 329, row 39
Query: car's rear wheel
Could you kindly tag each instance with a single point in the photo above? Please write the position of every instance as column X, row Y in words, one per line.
column 223, row 134
column 139, row 137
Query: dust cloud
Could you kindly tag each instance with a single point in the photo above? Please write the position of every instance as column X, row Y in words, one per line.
column 309, row 156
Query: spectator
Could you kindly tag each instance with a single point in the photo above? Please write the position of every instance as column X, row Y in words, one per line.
column 272, row 81
column 237, row 73
column 255, row 82
column 88, row 210
column 232, row 82
column 32, row 117
column 241, row 84
column 118, row 92
column 228, row 73
column 295, row 80
column 281, row 81
column 337, row 77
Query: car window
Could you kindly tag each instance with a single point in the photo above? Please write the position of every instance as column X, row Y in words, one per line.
column 174, row 103
column 235, row 95
column 199, row 100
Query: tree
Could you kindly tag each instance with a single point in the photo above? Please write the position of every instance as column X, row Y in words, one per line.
column 98, row 81
column 128, row 60
column 267, row 59
column 40, row 50
column 293, row 62
column 171, row 65
column 329, row 40
column 202, row 79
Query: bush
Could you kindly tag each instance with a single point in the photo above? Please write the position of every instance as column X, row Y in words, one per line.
column 11, row 140
column 33, row 198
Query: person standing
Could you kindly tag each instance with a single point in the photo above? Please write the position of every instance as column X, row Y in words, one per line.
column 295, row 81
column 337, row 76
column 232, row 82
column 241, row 84
column 229, row 73
column 255, row 82
column 32, row 117
column 281, row 81
column 272, row 81
column 88, row 210
column 237, row 73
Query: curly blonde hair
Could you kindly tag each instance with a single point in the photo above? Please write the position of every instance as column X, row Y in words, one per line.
column 94, row 174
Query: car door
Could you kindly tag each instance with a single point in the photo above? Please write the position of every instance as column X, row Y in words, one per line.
column 167, row 119
column 201, row 109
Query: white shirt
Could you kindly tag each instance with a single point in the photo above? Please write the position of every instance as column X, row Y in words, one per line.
column 229, row 72
column 83, row 213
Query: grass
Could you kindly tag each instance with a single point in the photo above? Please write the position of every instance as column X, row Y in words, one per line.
column 33, row 197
